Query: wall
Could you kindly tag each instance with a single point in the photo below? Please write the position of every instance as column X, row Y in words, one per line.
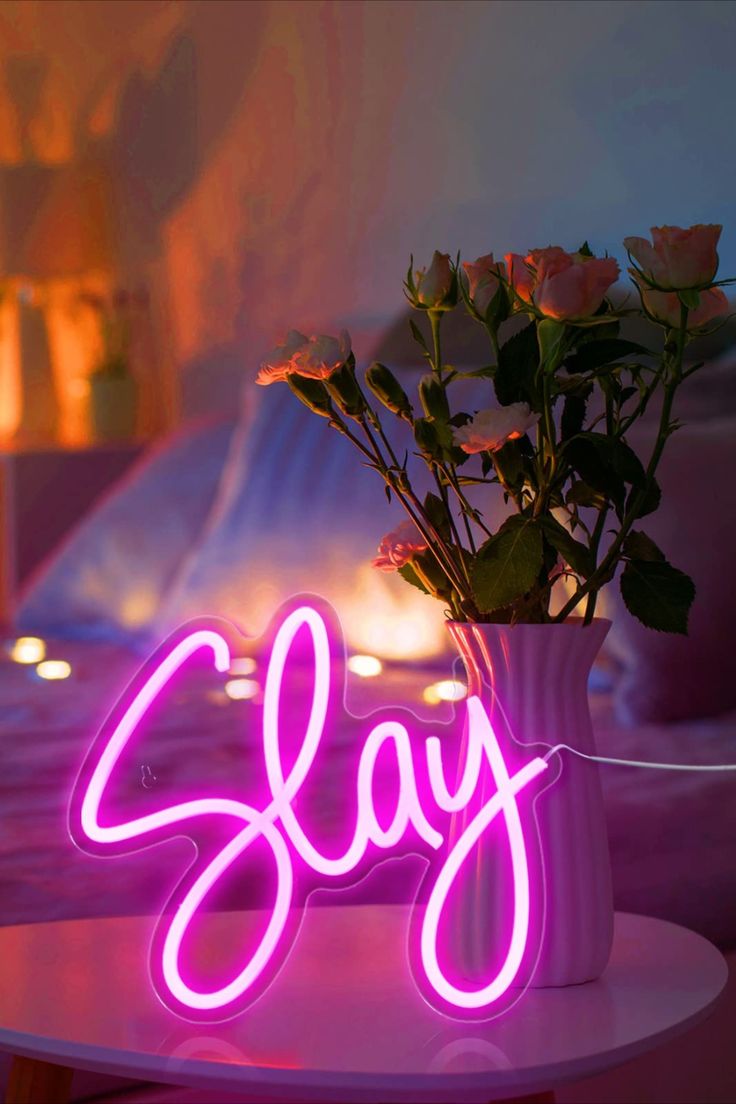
column 366, row 131
column 274, row 164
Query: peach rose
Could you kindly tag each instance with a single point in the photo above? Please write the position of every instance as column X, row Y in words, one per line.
column 526, row 273
column 491, row 429
column 322, row 355
column 433, row 285
column 677, row 258
column 398, row 547
column 549, row 261
column 665, row 307
column 483, row 280
column 276, row 366
column 576, row 290
column 561, row 285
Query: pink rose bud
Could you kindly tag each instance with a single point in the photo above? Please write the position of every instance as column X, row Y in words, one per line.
column 397, row 547
column 434, row 286
column 677, row 259
column 490, row 429
column 665, row 307
column 277, row 365
column 483, row 281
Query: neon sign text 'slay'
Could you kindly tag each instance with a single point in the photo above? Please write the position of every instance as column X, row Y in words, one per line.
column 422, row 813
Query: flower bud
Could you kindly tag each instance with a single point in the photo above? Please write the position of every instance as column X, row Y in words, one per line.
column 484, row 289
column 434, row 288
column 399, row 547
column 312, row 393
column 427, row 438
column 343, row 387
column 434, row 398
column 388, row 390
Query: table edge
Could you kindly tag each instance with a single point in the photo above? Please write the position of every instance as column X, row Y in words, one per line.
column 231, row 1077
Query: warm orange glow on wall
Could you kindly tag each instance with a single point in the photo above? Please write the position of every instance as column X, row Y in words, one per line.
column 10, row 382
column 75, row 346
column 73, row 335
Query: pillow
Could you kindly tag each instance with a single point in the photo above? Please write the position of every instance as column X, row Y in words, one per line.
column 111, row 573
column 299, row 512
column 668, row 677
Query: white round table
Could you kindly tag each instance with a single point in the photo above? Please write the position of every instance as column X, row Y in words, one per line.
column 342, row 1021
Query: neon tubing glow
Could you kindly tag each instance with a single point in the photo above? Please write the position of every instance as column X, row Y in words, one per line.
column 274, row 823
column 503, row 801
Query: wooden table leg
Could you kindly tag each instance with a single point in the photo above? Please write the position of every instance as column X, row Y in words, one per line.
column 32, row 1081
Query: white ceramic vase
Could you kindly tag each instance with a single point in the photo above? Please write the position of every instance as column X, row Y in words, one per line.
column 532, row 680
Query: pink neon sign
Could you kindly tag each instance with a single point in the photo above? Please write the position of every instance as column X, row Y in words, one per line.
column 416, row 817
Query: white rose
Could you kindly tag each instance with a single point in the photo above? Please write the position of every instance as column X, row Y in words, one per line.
column 276, row 366
column 319, row 358
column 491, row 429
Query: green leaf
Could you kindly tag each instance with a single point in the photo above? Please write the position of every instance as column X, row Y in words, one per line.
column 518, row 360
column 451, row 452
column 585, row 250
column 410, row 289
column 624, row 460
column 658, row 594
column 508, row 564
column 407, row 572
column 573, row 552
column 436, row 511
column 597, row 333
column 418, row 335
column 689, row 298
column 606, row 464
column 431, row 574
column 572, row 385
column 594, row 354
column 638, row 546
column 509, row 464
column 610, row 386
column 573, row 416
column 580, row 494
column 595, row 470
column 651, row 500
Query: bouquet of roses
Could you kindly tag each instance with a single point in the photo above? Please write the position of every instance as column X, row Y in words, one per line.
column 563, row 392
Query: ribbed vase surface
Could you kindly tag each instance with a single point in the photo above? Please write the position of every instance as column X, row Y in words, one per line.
column 532, row 680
